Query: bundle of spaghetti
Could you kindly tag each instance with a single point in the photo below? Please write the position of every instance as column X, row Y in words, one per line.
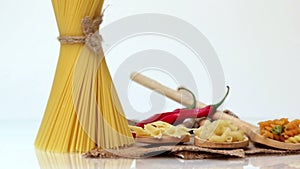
column 83, row 109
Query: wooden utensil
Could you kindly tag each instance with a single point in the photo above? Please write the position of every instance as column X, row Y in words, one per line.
column 163, row 140
column 208, row 144
column 251, row 130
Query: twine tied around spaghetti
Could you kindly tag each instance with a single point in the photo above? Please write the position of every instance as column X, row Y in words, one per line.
column 91, row 38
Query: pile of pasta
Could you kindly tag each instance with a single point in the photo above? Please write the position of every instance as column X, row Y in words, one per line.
column 158, row 129
column 281, row 130
column 220, row 131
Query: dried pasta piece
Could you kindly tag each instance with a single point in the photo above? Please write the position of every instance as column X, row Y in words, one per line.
column 161, row 125
column 216, row 138
column 220, row 138
column 153, row 131
column 267, row 134
column 182, row 130
column 229, row 139
column 176, row 131
column 171, row 131
column 139, row 131
column 292, row 132
column 281, row 121
column 295, row 139
column 234, row 128
column 205, row 131
column 293, row 124
column 220, row 131
column 237, row 135
column 158, row 129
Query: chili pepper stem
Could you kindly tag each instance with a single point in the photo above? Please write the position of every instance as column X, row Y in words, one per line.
column 216, row 106
column 193, row 95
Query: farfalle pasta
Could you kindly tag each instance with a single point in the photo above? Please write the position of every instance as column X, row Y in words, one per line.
column 176, row 131
column 139, row 131
column 158, row 129
column 219, row 131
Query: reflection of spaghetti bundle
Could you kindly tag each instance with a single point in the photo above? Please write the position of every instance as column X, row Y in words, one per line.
column 49, row 160
column 83, row 110
column 281, row 129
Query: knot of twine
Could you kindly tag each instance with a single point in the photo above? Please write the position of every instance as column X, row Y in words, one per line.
column 91, row 38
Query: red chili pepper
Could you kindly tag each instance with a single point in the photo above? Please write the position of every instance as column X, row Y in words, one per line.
column 179, row 115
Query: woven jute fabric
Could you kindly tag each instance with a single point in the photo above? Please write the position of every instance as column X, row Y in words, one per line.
column 140, row 152
column 90, row 28
column 187, row 151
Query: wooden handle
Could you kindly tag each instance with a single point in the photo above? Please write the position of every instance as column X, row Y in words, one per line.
column 186, row 100
column 164, row 90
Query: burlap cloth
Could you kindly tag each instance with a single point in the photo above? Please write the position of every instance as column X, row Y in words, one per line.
column 185, row 151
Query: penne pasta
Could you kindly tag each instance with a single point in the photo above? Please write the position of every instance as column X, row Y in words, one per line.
column 219, row 131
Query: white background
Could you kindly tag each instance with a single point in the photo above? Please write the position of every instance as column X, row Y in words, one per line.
column 257, row 43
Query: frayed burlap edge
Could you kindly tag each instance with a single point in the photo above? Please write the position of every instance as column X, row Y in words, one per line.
column 186, row 152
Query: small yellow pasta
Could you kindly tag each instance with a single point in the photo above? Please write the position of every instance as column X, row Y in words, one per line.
column 295, row 139
column 237, row 135
column 182, row 130
column 221, row 138
column 205, row 131
column 219, row 131
column 216, row 138
column 161, row 125
column 139, row 131
column 171, row 131
column 177, row 131
column 153, row 131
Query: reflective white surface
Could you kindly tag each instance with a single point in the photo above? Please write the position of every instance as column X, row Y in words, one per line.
column 17, row 151
column 48, row 160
